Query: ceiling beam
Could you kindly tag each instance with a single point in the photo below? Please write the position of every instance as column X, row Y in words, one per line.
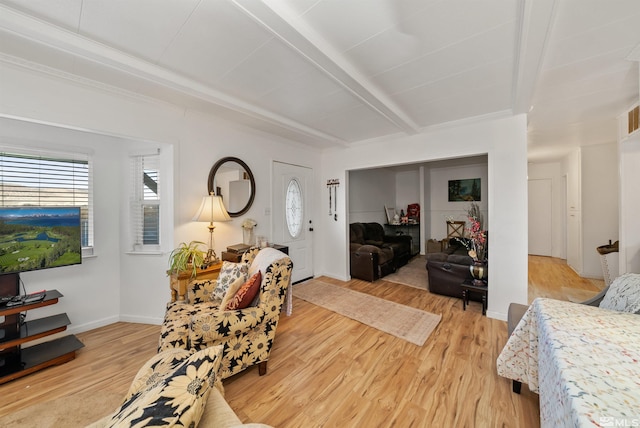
column 58, row 38
column 318, row 52
column 535, row 24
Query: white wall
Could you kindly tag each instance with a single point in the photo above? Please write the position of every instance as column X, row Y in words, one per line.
column 504, row 141
column 552, row 171
column 600, row 178
column 592, row 187
column 369, row 191
column 442, row 209
column 629, row 204
column 407, row 189
column 117, row 285
column 629, row 152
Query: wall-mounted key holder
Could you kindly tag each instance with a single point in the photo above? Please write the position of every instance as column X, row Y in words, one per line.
column 332, row 185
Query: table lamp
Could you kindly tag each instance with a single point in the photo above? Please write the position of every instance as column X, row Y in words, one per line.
column 211, row 209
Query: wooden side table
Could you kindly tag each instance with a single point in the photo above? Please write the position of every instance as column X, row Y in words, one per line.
column 468, row 287
column 178, row 282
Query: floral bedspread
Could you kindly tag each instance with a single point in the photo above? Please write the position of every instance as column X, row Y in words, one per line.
column 583, row 361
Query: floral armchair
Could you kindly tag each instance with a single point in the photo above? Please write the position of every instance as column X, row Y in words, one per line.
column 247, row 334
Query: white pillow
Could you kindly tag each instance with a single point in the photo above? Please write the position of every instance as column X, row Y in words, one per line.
column 623, row 294
column 263, row 260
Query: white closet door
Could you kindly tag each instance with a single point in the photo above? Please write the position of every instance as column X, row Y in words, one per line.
column 540, row 217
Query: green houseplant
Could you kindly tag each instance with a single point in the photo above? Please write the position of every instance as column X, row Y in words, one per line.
column 185, row 257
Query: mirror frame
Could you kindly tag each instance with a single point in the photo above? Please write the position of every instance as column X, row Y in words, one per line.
column 212, row 175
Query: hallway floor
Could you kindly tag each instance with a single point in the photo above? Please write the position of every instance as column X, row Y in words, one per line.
column 552, row 277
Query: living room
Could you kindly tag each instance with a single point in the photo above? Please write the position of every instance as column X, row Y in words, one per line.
column 426, row 184
column 52, row 108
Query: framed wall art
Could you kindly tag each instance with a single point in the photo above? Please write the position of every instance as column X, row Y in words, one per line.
column 390, row 213
column 464, row 190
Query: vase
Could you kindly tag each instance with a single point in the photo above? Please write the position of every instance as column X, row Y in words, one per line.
column 478, row 271
column 247, row 236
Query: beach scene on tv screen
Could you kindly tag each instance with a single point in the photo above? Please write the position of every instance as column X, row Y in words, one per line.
column 39, row 238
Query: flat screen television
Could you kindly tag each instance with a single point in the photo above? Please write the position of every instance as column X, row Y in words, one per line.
column 33, row 238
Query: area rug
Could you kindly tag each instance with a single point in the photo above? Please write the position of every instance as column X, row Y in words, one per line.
column 76, row 410
column 413, row 274
column 405, row 322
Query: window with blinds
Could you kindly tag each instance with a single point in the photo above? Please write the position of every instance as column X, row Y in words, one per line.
column 49, row 180
column 145, row 202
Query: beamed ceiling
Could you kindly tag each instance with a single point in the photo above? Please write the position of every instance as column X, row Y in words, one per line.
column 337, row 72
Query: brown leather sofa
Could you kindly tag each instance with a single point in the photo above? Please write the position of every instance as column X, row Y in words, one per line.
column 374, row 254
column 448, row 269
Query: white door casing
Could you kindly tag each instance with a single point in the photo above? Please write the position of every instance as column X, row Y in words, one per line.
column 291, row 215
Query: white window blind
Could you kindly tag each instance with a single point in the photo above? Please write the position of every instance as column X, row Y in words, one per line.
column 49, row 179
column 145, row 202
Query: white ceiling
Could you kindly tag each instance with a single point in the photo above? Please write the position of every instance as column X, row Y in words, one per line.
column 337, row 72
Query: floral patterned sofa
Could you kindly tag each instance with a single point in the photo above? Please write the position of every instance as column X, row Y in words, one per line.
column 247, row 333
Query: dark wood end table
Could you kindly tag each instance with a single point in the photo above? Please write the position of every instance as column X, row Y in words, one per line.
column 468, row 287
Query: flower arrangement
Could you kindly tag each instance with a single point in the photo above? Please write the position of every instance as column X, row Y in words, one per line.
column 247, row 231
column 249, row 223
column 476, row 233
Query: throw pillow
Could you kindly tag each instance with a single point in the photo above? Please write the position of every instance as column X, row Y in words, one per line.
column 156, row 369
column 231, row 291
column 245, row 294
column 179, row 399
column 623, row 294
column 229, row 272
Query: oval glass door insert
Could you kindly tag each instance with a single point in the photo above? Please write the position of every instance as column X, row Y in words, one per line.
column 293, row 208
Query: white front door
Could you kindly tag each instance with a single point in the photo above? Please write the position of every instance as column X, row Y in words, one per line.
column 291, row 216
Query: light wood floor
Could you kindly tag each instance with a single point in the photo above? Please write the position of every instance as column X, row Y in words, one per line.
column 552, row 278
column 327, row 370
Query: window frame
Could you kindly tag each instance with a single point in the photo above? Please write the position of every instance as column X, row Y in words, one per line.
column 138, row 202
column 54, row 155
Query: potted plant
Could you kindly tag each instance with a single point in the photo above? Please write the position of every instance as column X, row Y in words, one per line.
column 185, row 257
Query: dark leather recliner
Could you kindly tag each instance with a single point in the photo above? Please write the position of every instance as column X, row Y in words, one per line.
column 374, row 254
column 448, row 269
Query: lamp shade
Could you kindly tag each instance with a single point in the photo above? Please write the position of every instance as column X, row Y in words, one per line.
column 211, row 209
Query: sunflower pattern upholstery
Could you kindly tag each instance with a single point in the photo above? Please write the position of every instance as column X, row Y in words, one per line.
column 171, row 389
column 177, row 388
column 247, row 334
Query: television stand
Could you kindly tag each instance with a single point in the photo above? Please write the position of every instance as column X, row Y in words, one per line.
column 16, row 361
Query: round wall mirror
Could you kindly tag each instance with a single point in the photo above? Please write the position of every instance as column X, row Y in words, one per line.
column 232, row 179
